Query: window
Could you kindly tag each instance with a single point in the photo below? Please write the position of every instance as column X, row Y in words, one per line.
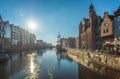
column 104, row 31
column 107, row 30
column 105, row 24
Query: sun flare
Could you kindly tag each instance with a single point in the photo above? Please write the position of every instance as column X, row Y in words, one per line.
column 31, row 24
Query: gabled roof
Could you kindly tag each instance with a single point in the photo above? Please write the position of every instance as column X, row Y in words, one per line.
column 111, row 17
column 117, row 13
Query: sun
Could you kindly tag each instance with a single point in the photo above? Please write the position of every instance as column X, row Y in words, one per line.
column 31, row 24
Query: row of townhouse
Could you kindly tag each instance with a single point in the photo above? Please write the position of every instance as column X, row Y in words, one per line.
column 100, row 33
column 12, row 36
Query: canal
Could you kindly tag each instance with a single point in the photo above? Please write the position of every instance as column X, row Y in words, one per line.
column 50, row 64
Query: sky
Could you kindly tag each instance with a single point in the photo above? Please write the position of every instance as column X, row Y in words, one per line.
column 53, row 16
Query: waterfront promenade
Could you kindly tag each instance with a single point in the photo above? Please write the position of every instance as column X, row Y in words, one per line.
column 84, row 57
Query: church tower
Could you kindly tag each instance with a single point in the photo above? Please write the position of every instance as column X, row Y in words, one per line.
column 92, row 25
column 92, row 15
column 91, row 9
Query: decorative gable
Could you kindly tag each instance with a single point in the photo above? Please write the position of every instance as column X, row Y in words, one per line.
column 107, row 25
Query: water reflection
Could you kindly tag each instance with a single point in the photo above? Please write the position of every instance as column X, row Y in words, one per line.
column 50, row 70
column 62, row 56
column 32, row 66
column 88, row 70
column 50, row 64
column 95, row 71
column 3, row 71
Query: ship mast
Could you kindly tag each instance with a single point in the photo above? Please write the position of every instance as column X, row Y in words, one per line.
column 59, row 37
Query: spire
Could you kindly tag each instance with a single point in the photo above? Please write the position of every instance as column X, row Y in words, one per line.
column 91, row 7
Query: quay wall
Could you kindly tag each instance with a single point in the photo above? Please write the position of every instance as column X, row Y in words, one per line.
column 84, row 56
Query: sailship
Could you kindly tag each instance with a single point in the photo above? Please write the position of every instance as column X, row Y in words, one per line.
column 59, row 46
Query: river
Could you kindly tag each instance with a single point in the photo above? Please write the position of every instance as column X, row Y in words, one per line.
column 50, row 64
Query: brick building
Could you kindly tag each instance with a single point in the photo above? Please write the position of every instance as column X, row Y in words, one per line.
column 107, row 31
column 88, row 30
column 69, row 42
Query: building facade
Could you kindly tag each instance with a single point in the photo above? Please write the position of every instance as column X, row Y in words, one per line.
column 117, row 30
column 77, row 42
column 98, row 32
column 2, row 32
column 69, row 42
column 107, row 31
column 42, row 44
column 88, row 31
column 63, row 43
column 14, row 36
column 117, row 23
